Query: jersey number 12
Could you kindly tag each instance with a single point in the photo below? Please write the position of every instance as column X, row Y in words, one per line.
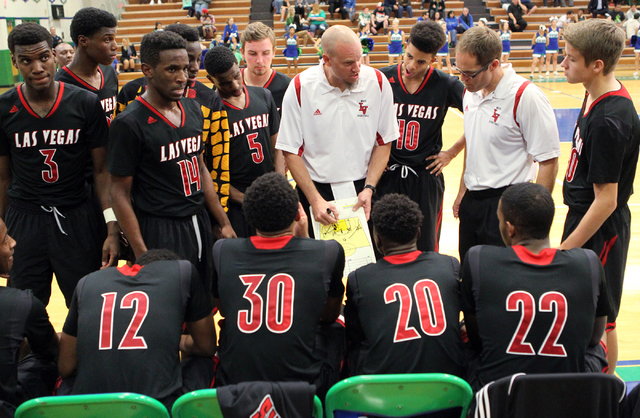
column 130, row 340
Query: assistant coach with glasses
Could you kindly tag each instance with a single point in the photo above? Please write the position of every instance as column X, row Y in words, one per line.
column 508, row 125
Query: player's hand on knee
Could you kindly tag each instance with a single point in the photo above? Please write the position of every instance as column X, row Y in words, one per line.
column 440, row 161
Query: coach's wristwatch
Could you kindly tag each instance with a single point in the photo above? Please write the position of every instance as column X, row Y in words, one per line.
column 368, row 186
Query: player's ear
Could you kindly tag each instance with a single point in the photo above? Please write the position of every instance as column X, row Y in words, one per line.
column 511, row 229
column 210, row 78
column 598, row 66
column 13, row 61
column 146, row 69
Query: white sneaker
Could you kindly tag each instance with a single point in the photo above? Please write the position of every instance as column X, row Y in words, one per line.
column 556, row 73
column 152, row 2
column 540, row 77
column 636, row 74
column 547, row 71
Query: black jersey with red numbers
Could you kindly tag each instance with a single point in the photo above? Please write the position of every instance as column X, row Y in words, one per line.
column 162, row 158
column 535, row 312
column 606, row 140
column 128, row 324
column 48, row 155
column 277, row 85
column 402, row 315
column 250, row 131
column 272, row 294
column 421, row 114
column 107, row 91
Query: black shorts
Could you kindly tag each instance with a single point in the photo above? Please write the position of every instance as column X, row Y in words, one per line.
column 611, row 244
column 64, row 241
column 190, row 237
column 423, row 188
column 479, row 220
column 238, row 221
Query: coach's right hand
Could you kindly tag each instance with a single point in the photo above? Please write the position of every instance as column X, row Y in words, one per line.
column 324, row 212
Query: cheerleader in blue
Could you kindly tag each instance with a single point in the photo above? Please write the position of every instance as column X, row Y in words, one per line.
column 635, row 43
column 396, row 40
column 539, row 44
column 291, row 51
column 444, row 51
column 553, row 48
column 505, row 37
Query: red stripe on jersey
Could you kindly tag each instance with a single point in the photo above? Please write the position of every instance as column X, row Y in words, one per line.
column 379, row 75
column 609, row 327
column 30, row 110
column 266, row 243
column 246, row 100
column 300, row 151
column 518, row 97
column 340, row 320
column 129, row 270
column 545, row 257
column 605, row 250
column 296, row 83
column 403, row 258
column 84, row 83
column 622, row 91
column 160, row 115
column 426, row 77
column 379, row 139
column 273, row 75
column 439, row 227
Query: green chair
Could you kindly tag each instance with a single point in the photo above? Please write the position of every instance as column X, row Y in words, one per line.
column 399, row 395
column 204, row 404
column 105, row 405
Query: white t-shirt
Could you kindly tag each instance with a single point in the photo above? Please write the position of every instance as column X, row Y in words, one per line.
column 335, row 131
column 500, row 149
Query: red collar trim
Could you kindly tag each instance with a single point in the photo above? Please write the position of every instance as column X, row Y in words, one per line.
column 266, row 85
column 266, row 243
column 622, row 91
column 246, row 99
column 84, row 83
column 403, row 258
column 129, row 270
column 160, row 115
column 53, row 109
column 421, row 85
column 545, row 257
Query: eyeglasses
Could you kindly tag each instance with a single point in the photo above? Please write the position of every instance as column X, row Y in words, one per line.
column 472, row 75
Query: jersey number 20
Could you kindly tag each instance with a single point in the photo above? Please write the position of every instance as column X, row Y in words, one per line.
column 279, row 306
column 130, row 340
column 430, row 309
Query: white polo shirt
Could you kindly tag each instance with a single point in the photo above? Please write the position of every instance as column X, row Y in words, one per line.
column 335, row 131
column 501, row 149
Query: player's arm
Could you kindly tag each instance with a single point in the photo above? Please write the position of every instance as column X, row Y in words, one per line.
column 547, row 173
column 605, row 202
column 468, row 307
column 212, row 201
column 443, row 158
column 301, row 176
column 335, row 295
column 278, row 156
column 236, row 195
column 120, row 191
column 68, row 357
column 5, row 182
column 201, row 338
column 377, row 164
column 462, row 189
column 111, row 246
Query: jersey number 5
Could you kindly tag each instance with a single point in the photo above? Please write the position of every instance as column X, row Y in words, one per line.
column 409, row 136
column 520, row 300
column 279, row 309
column 257, row 156
column 130, row 340
column 430, row 309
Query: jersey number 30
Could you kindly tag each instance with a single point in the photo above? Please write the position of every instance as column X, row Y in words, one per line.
column 430, row 309
column 130, row 340
column 279, row 307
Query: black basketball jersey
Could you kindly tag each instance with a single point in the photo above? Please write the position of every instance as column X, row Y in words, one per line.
column 535, row 313
column 129, row 92
column 128, row 322
column 606, row 140
column 277, row 85
column 107, row 91
column 402, row 315
column 250, row 131
column 162, row 158
column 22, row 315
column 48, row 155
column 421, row 114
column 272, row 294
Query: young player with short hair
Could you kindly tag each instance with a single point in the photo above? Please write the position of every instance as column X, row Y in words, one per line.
column 602, row 165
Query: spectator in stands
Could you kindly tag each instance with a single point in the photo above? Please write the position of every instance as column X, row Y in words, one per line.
column 452, row 27
column 483, row 22
column 437, row 17
column 364, row 17
column 632, row 11
column 128, row 56
column 301, row 7
column 506, row 3
column 581, row 15
column 465, row 21
column 350, row 7
column 567, row 19
column 230, row 33
column 618, row 16
column 280, row 7
column 405, row 5
column 632, row 25
column 380, row 19
column 515, row 12
column 159, row 26
column 63, row 53
column 199, row 5
column 425, row 16
column 528, row 7
column 317, row 19
column 436, row 6
column 188, row 6
column 208, row 28
column 301, row 30
column 597, row 7
column 337, row 6
column 56, row 39
column 391, row 6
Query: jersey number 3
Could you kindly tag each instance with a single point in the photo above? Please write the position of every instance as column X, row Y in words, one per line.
column 130, row 340
column 430, row 309
column 50, row 175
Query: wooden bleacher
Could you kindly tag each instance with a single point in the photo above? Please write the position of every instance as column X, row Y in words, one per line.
column 139, row 19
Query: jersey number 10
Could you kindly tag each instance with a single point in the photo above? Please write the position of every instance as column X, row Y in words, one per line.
column 408, row 137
